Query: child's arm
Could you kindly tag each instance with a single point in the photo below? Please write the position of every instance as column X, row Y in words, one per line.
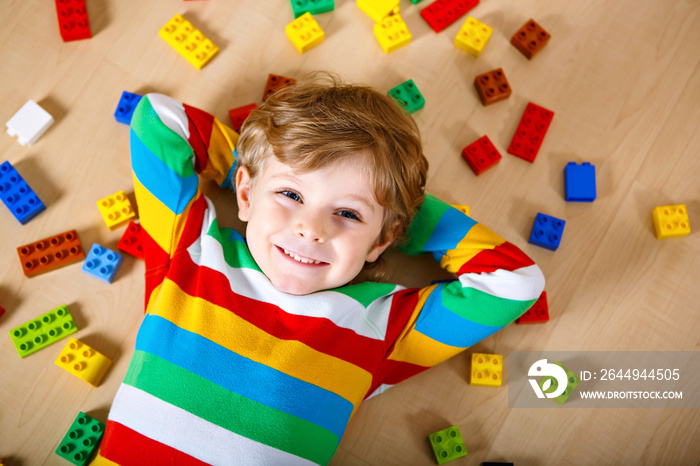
column 171, row 144
column 496, row 283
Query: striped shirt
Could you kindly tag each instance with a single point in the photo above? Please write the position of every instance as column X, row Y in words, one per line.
column 229, row 370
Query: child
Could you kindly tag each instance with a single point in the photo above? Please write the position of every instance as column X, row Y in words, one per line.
column 259, row 350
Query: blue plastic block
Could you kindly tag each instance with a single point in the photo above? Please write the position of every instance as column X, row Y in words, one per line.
column 102, row 263
column 125, row 109
column 17, row 195
column 579, row 182
column 547, row 231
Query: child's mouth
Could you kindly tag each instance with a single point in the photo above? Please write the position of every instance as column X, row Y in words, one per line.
column 300, row 258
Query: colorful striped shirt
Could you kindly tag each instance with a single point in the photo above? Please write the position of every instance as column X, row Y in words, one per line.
column 229, row 370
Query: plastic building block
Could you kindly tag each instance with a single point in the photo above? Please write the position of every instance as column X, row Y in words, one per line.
column 579, row 182
column 447, row 445
column 102, row 263
column 379, row 9
column 43, row 331
column 530, row 39
column 275, row 83
column 81, row 440
column 17, row 196
column 125, row 108
column 73, row 20
column 487, row 370
column 392, row 33
column 116, row 210
column 462, row 208
column 481, row 155
column 531, row 131
column 572, row 383
column 492, row 87
column 408, row 96
column 83, row 362
column 239, row 115
column 2, row 311
column 473, row 36
column 416, row 1
column 131, row 241
column 305, row 33
column 188, row 41
column 547, row 232
column 50, row 253
column 312, row 6
column 671, row 221
column 538, row 313
column 29, row 123
column 442, row 13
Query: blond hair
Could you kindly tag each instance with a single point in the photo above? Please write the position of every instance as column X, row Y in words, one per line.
column 320, row 120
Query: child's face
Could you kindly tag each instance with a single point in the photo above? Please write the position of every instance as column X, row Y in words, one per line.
column 310, row 231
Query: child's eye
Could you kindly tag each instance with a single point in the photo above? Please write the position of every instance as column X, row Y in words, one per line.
column 351, row 214
column 291, row 194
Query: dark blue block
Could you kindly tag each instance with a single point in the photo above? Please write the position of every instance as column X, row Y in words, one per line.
column 17, row 195
column 579, row 182
column 125, row 109
column 547, row 231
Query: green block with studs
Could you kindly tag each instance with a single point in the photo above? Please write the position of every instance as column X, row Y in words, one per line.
column 43, row 331
column 81, row 440
column 299, row 7
column 573, row 383
column 408, row 96
column 447, row 445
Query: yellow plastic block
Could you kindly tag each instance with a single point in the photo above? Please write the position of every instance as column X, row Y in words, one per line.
column 379, row 9
column 462, row 208
column 473, row 36
column 487, row 370
column 305, row 33
column 116, row 210
column 188, row 41
column 83, row 362
column 392, row 33
column 671, row 221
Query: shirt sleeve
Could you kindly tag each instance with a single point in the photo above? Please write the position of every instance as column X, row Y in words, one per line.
column 172, row 144
column 495, row 284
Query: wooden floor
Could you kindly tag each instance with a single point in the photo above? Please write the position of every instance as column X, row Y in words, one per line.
column 623, row 79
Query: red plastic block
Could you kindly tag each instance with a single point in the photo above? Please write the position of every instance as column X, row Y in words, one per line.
column 492, row 86
column 442, row 13
column 538, row 313
column 481, row 155
column 50, row 253
column 131, row 241
column 73, row 20
column 532, row 128
column 275, row 83
column 530, row 39
column 2, row 311
column 239, row 115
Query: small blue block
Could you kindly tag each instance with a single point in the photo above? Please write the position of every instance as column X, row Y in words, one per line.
column 547, row 232
column 17, row 195
column 579, row 182
column 102, row 263
column 125, row 109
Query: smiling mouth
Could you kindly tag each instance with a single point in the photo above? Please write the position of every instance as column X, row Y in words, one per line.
column 301, row 259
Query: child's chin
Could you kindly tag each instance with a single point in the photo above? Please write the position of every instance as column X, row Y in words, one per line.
column 297, row 288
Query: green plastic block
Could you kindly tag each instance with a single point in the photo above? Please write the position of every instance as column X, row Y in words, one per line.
column 312, row 6
column 573, row 383
column 448, row 445
column 416, row 1
column 43, row 331
column 81, row 440
column 408, row 96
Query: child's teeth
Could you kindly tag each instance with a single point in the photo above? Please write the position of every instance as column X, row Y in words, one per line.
column 296, row 257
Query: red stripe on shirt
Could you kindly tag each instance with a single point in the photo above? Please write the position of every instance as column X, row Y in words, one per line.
column 200, row 126
column 506, row 256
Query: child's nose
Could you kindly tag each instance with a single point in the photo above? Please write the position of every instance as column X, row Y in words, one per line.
column 310, row 227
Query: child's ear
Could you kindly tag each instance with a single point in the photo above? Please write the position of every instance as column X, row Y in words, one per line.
column 243, row 188
column 377, row 250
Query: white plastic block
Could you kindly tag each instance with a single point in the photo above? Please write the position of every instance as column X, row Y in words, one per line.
column 29, row 123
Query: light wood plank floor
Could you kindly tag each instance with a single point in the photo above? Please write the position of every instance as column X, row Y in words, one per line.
column 623, row 79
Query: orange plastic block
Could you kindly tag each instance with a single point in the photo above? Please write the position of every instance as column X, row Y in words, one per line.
column 487, row 370
column 188, row 41
column 530, row 39
column 50, row 253
column 240, row 114
column 116, row 210
column 275, row 83
column 671, row 221
column 305, row 33
column 83, row 362
column 473, row 36
column 392, row 33
column 492, row 86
